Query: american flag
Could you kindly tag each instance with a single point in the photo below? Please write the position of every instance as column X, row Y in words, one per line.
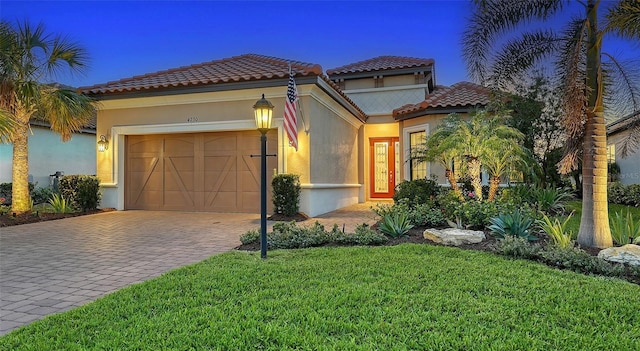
column 290, row 116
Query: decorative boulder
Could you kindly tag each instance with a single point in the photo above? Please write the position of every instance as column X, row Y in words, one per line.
column 629, row 254
column 453, row 236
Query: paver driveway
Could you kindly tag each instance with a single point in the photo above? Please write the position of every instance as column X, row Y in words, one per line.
column 53, row 266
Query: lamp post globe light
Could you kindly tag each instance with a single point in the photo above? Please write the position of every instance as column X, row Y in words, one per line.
column 263, row 110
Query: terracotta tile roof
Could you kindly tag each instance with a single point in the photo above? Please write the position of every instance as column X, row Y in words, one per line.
column 249, row 67
column 459, row 95
column 381, row 63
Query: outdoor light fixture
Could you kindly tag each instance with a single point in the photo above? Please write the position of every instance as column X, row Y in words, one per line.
column 103, row 143
column 263, row 111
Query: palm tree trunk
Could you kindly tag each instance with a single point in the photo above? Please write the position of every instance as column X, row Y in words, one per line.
column 474, row 172
column 451, row 177
column 594, row 223
column 20, row 198
column 494, row 183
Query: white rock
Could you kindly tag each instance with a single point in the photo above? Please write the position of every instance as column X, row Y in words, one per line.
column 454, row 237
column 629, row 254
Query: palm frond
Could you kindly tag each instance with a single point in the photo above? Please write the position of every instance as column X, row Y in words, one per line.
column 519, row 55
column 7, row 124
column 490, row 19
column 572, row 67
column 66, row 54
column 66, row 110
column 623, row 85
column 623, row 19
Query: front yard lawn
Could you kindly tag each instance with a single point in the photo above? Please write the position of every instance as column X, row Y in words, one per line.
column 409, row 296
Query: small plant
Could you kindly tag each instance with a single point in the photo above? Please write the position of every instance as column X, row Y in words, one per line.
column 396, row 225
column 417, row 192
column 512, row 224
column 290, row 236
column 59, row 204
column 624, row 228
column 250, row 237
column 518, row 247
column 578, row 260
column 363, row 235
column 550, row 200
column 556, row 230
column 286, row 194
column 42, row 195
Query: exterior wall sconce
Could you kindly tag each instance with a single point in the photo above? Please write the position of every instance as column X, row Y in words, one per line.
column 263, row 111
column 103, row 143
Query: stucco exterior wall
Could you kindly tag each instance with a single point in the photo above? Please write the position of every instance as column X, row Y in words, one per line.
column 428, row 123
column 48, row 154
column 332, row 138
column 630, row 165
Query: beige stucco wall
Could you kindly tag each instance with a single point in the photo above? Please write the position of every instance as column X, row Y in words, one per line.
column 327, row 154
column 630, row 165
column 333, row 142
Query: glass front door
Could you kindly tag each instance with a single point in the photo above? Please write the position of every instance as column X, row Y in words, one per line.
column 385, row 166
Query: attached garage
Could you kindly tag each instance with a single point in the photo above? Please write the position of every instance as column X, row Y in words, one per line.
column 196, row 171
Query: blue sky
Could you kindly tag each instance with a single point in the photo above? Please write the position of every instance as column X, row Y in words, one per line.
column 127, row 38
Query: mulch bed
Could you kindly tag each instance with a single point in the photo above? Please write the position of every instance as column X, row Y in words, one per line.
column 7, row 220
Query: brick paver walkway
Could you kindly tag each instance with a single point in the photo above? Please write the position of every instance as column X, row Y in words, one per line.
column 54, row 266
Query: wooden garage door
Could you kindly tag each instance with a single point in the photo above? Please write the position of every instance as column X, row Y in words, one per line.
column 197, row 172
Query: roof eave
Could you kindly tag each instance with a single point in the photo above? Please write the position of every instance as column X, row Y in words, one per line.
column 434, row 111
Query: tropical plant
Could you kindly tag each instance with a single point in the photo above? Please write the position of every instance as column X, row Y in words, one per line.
column 433, row 150
column 29, row 55
column 512, row 224
column 395, row 225
column 587, row 78
column 624, row 228
column 556, row 230
column 550, row 200
column 59, row 204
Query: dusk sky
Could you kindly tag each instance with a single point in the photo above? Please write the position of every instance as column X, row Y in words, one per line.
column 127, row 38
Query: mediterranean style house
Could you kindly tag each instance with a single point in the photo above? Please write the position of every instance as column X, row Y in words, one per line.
column 617, row 132
column 183, row 139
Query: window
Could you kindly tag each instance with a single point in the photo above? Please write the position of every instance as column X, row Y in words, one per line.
column 417, row 169
column 611, row 153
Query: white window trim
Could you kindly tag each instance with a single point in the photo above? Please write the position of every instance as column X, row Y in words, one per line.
column 406, row 144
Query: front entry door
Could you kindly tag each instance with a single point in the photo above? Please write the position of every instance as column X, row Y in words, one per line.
column 385, row 166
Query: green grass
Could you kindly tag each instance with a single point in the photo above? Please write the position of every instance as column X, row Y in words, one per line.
column 574, row 223
column 407, row 297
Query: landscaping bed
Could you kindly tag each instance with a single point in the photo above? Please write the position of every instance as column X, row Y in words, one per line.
column 7, row 220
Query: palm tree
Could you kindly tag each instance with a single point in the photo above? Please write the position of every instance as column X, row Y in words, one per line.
column 433, row 150
column 28, row 55
column 578, row 55
column 502, row 156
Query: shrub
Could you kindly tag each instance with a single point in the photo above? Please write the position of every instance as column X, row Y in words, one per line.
column 250, row 237
column 363, row 235
column 42, row 195
column 512, row 224
column 289, row 236
column 59, row 204
column 556, row 230
column 417, row 192
column 624, row 228
column 578, row 260
column 395, row 225
column 517, row 247
column 624, row 194
column 418, row 215
column 550, row 200
column 82, row 191
column 423, row 215
column 5, row 191
column 286, row 194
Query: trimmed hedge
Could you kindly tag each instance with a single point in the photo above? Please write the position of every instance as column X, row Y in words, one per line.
column 82, row 191
column 628, row 195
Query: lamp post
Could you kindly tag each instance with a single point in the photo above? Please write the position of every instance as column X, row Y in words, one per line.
column 263, row 110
